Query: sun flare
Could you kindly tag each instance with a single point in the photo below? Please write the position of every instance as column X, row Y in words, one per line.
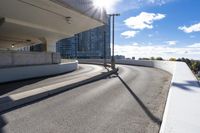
column 104, row 4
column 100, row 3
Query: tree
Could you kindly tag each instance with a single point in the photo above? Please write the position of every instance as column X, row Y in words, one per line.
column 195, row 66
column 152, row 58
column 159, row 58
column 172, row 59
column 178, row 59
column 143, row 58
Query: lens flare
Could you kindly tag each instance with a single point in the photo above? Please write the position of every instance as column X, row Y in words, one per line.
column 108, row 5
column 100, row 3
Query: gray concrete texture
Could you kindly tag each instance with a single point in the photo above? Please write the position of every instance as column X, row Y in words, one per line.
column 26, row 72
column 130, row 102
column 19, row 58
column 31, row 93
column 30, row 84
column 182, row 110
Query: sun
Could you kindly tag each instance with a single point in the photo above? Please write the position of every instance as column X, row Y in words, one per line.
column 104, row 4
column 100, row 3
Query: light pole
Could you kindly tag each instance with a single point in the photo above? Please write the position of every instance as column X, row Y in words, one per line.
column 113, row 38
column 104, row 46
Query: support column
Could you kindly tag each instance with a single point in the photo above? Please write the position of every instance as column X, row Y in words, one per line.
column 51, row 44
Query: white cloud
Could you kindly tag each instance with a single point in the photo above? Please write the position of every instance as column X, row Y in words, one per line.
column 195, row 45
column 190, row 29
column 157, row 51
column 157, row 2
column 129, row 34
column 150, row 35
column 171, row 43
column 135, row 44
column 143, row 20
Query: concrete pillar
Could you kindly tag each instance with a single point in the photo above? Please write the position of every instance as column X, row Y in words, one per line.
column 51, row 44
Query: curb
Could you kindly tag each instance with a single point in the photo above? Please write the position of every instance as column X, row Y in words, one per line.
column 96, row 63
column 9, row 102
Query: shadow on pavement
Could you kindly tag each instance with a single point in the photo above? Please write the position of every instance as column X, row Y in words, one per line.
column 101, row 76
column 6, row 88
column 146, row 110
column 3, row 122
column 187, row 86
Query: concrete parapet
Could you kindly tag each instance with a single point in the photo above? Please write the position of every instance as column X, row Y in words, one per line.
column 5, row 58
column 25, row 72
column 19, row 58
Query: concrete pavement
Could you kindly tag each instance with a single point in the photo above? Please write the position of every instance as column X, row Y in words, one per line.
column 50, row 86
column 30, row 84
column 132, row 101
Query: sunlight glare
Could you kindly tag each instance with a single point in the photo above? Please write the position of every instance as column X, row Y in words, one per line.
column 103, row 4
column 99, row 3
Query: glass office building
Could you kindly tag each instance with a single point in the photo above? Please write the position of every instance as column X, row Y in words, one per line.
column 94, row 43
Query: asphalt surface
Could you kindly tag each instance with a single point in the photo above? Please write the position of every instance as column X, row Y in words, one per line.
column 26, row 85
column 131, row 102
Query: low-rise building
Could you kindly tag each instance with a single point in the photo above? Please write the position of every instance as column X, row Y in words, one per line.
column 119, row 57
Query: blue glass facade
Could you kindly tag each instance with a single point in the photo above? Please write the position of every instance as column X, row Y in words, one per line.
column 88, row 44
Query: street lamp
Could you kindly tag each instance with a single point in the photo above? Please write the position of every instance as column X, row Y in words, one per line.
column 104, row 46
column 113, row 38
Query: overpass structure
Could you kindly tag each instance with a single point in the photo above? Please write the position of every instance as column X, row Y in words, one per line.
column 29, row 22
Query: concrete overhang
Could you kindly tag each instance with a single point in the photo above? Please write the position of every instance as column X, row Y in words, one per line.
column 56, row 19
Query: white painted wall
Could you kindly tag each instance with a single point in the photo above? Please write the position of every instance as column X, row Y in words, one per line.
column 182, row 111
column 26, row 72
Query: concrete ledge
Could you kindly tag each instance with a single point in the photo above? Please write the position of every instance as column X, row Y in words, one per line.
column 24, row 58
column 182, row 110
column 9, row 102
column 25, row 72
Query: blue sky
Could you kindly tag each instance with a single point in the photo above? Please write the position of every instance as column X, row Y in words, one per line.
column 166, row 28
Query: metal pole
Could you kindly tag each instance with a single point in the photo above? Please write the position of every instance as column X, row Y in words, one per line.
column 113, row 35
column 76, row 46
column 113, row 58
column 113, row 39
column 104, row 36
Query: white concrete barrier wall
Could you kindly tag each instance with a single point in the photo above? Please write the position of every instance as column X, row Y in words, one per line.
column 182, row 110
column 23, row 58
column 26, row 72
column 168, row 66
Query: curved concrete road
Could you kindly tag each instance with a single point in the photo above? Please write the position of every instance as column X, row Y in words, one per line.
column 131, row 102
column 25, row 85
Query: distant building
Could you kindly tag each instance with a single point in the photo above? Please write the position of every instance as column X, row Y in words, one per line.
column 67, row 47
column 133, row 58
column 88, row 44
column 198, row 74
column 119, row 57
